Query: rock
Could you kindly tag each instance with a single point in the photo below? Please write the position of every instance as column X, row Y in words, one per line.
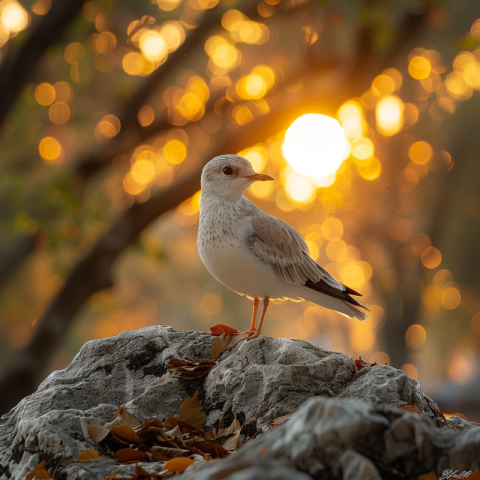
column 347, row 429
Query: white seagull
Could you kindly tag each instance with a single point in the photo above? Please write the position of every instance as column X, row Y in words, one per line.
column 256, row 254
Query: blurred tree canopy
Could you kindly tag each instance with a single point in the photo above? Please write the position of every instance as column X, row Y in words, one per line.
column 109, row 110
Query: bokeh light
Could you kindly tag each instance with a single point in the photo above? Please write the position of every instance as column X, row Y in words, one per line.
column 153, row 46
column 415, row 336
column 389, row 115
column 50, row 150
column 13, row 16
column 315, row 145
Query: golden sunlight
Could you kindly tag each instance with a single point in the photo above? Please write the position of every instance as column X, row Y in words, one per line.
column 389, row 115
column 315, row 145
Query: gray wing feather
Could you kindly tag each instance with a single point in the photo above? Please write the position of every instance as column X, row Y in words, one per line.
column 281, row 246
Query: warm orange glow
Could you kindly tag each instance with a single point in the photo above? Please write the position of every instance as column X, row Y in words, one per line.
column 257, row 156
column 41, row 7
column 108, row 127
column 432, row 297
column 460, row 369
column 336, row 250
column 383, row 85
column 13, row 16
column 451, row 298
column 410, row 370
column 419, row 243
column 381, row 358
column 419, row 68
column 299, row 188
column 351, row 118
column 168, row 5
column 362, row 338
column 431, row 257
column 352, row 275
column 457, row 87
column 73, row 53
column 50, row 150
column 315, row 145
column 173, row 33
column 175, row 151
column 371, row 171
column 143, row 171
column 135, row 63
column 243, row 30
column 45, row 94
column 59, row 113
column 251, row 87
column 475, row 29
column 153, row 46
column 362, row 151
column 211, row 303
column 415, row 336
column 262, row 189
column 224, row 57
column 389, row 115
column 146, row 116
column 63, row 92
column 332, row 229
column 475, row 323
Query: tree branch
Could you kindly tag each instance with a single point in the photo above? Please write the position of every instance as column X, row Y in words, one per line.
column 15, row 69
column 15, row 253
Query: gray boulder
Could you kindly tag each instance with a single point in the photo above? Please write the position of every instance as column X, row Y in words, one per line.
column 348, row 427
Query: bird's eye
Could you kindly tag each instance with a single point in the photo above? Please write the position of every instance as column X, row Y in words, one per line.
column 227, row 171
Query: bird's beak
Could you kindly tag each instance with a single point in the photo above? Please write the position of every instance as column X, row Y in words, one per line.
column 259, row 177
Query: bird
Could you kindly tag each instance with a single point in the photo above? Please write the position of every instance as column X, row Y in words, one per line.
column 256, row 254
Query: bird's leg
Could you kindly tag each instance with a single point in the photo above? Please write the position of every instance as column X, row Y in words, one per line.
column 254, row 333
column 256, row 303
column 266, row 301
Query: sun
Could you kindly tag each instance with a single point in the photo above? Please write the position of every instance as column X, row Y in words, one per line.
column 315, row 145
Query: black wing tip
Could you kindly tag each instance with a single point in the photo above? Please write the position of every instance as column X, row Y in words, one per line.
column 353, row 292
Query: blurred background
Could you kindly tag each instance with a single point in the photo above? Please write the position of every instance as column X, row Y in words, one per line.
column 366, row 113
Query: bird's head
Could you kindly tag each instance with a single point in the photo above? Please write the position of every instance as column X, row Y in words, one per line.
column 229, row 176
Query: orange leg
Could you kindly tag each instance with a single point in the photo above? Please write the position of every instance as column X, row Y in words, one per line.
column 253, row 332
column 256, row 303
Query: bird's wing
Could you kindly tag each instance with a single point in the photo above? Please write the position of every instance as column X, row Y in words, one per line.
column 280, row 245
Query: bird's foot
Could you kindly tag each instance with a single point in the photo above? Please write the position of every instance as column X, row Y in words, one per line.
column 247, row 332
column 251, row 334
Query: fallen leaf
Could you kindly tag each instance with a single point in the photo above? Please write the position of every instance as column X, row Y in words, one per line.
column 216, row 451
column 124, row 432
column 231, row 430
column 131, row 455
column 231, row 444
column 191, row 412
column 89, row 455
column 163, row 454
column 98, row 434
column 141, row 473
column 178, row 464
column 176, row 430
column 189, row 369
column 279, row 420
column 410, row 407
column 39, row 473
column 173, row 422
column 123, row 417
column 219, row 329
column 359, row 364
column 219, row 344
column 435, row 409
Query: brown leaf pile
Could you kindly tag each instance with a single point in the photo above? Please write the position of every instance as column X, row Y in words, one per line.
column 190, row 369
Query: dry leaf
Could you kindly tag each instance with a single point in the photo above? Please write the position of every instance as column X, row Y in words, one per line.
column 163, row 454
column 216, row 451
column 89, row 455
column 219, row 345
column 98, row 434
column 410, row 407
column 131, row 455
column 279, row 420
column 219, row 329
column 39, row 473
column 178, row 464
column 123, row 417
column 141, row 473
column 231, row 430
column 191, row 412
column 359, row 364
column 230, row 444
column 189, row 369
column 173, row 422
column 124, row 432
